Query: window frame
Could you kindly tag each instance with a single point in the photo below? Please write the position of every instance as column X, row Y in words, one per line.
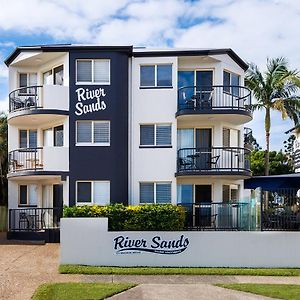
column 27, row 138
column 155, row 86
column 27, row 196
column 92, row 191
column 92, row 134
column 230, row 82
column 54, row 137
column 154, row 191
column 155, row 133
column 93, row 75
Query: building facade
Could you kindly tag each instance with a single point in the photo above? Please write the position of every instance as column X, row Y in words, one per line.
column 99, row 125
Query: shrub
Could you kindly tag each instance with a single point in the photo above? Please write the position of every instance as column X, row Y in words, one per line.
column 161, row 217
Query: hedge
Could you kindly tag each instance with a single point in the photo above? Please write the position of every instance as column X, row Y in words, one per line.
column 158, row 217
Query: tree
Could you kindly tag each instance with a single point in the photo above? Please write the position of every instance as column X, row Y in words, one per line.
column 274, row 90
column 279, row 163
column 288, row 146
column 3, row 159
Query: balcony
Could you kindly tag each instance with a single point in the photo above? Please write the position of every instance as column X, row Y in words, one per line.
column 48, row 102
column 217, row 216
column 226, row 161
column 39, row 160
column 218, row 100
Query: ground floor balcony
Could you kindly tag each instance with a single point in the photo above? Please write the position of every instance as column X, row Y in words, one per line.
column 213, row 161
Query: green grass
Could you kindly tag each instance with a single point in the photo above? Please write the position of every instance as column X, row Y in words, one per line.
column 279, row 291
column 78, row 269
column 79, row 291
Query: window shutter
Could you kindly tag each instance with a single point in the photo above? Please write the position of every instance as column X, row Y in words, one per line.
column 32, row 138
column 102, row 71
column 23, row 138
column 33, row 194
column 84, row 192
column 147, row 76
column 47, row 133
column 84, row 132
column 84, row 70
column 163, row 135
column 226, row 137
column 163, row 193
column 33, row 79
column 147, row 135
column 146, row 192
column 101, row 132
column 101, row 193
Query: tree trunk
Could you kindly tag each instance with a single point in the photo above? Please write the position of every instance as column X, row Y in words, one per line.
column 267, row 130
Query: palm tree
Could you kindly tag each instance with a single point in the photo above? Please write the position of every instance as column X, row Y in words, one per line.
column 3, row 159
column 277, row 89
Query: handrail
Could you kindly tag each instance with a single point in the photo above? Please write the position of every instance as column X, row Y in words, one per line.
column 203, row 98
column 213, row 159
column 25, row 159
column 29, row 99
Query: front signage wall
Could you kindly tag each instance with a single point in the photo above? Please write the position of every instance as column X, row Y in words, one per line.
column 107, row 102
column 98, row 246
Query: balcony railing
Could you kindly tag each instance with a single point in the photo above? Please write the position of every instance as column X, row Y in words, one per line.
column 215, row 160
column 25, row 159
column 34, row 219
column 216, row 216
column 204, row 99
column 25, row 98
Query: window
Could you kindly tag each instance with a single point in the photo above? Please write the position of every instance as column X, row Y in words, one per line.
column 27, row 79
column 93, row 133
column 28, row 194
column 54, row 76
column 28, row 138
column 58, row 136
column 93, row 71
column 156, row 135
column 58, row 76
column 155, row 192
column 156, row 75
column 185, row 193
column 233, row 80
column 94, row 192
column 226, row 137
column 230, row 193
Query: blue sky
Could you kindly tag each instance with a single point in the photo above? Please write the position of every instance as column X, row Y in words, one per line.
column 255, row 29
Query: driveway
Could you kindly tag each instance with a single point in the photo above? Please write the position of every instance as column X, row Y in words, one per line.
column 23, row 267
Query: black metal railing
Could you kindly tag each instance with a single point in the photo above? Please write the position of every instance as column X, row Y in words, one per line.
column 216, row 216
column 34, row 219
column 281, row 210
column 25, row 98
column 30, row 159
column 248, row 137
column 215, row 97
column 213, row 159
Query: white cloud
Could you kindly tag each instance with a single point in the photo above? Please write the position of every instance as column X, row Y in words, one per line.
column 254, row 29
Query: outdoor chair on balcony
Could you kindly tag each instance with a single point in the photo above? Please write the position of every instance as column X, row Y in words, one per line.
column 213, row 163
column 29, row 102
column 186, row 164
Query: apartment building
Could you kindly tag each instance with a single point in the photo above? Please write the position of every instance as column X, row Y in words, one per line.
column 118, row 124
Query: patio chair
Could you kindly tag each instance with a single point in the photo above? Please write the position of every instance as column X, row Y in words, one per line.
column 185, row 164
column 213, row 163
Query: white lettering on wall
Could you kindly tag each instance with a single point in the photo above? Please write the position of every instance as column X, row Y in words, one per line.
column 86, row 94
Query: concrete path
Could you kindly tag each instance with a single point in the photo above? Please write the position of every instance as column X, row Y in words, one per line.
column 183, row 291
column 23, row 267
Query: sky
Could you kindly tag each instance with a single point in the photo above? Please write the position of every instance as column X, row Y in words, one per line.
column 254, row 29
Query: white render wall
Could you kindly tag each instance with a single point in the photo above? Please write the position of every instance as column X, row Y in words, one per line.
column 244, row 249
column 159, row 106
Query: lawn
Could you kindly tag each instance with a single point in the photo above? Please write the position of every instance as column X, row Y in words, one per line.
column 79, row 291
column 78, row 269
column 278, row 291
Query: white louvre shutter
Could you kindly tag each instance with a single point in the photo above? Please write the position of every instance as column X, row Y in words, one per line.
column 163, row 193
column 102, row 132
column 102, row 71
column 163, row 135
column 84, row 71
column 101, row 192
column 84, row 132
column 146, row 192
